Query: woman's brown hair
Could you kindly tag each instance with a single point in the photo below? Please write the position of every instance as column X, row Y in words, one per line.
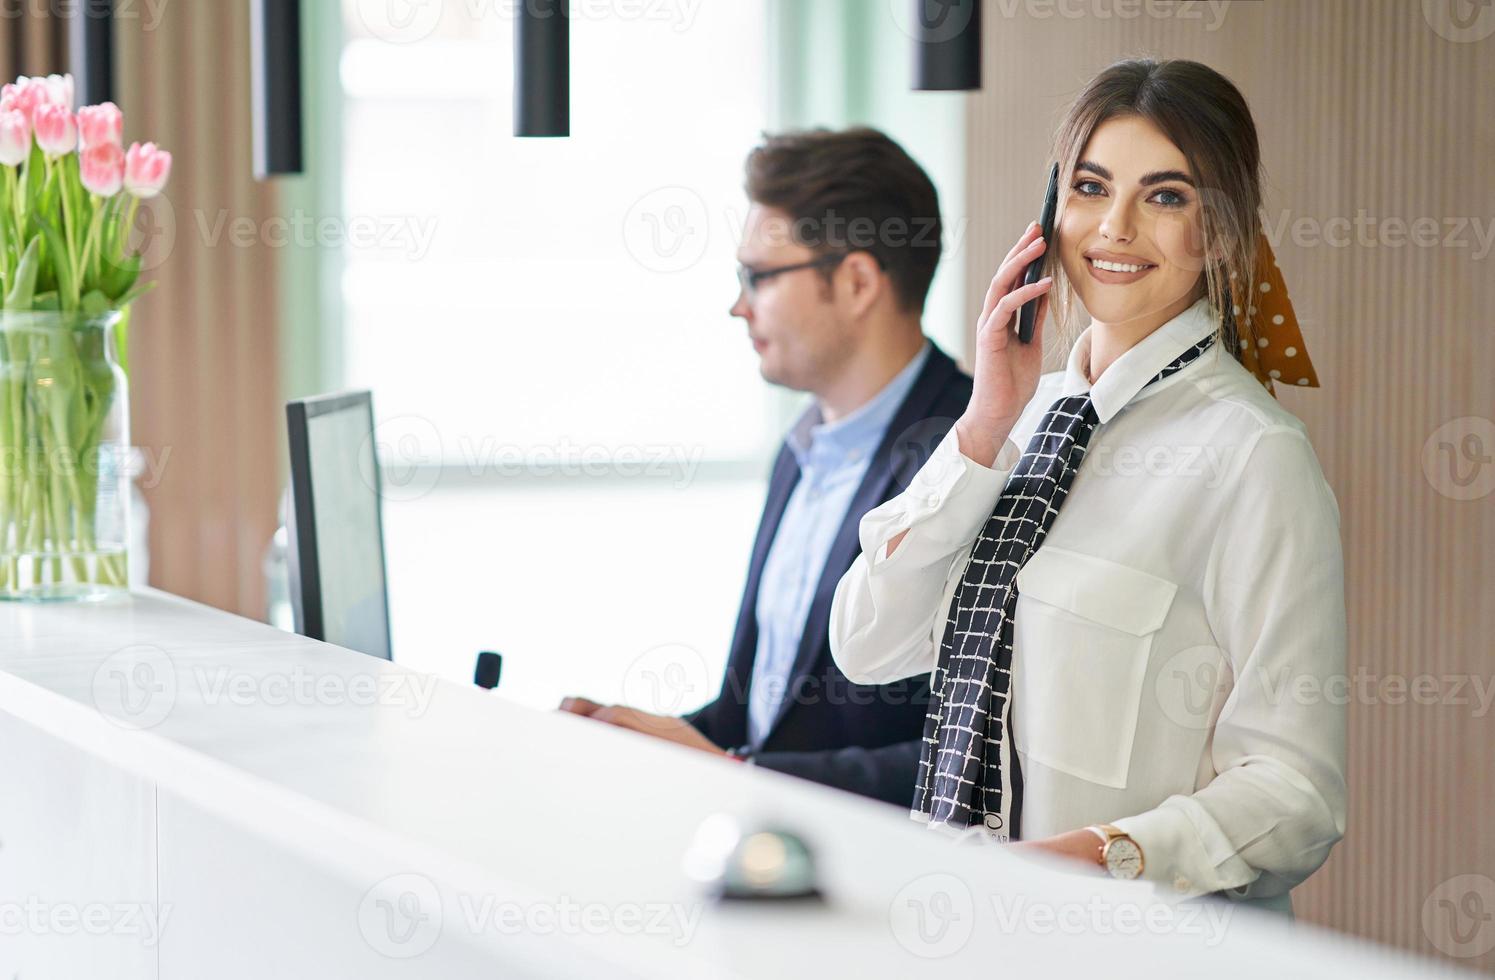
column 1207, row 118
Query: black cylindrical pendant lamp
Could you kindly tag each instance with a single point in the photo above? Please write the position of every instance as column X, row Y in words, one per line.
column 275, row 86
column 947, row 45
column 91, row 51
column 542, row 68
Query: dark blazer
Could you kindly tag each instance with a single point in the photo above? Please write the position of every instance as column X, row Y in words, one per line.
column 859, row 737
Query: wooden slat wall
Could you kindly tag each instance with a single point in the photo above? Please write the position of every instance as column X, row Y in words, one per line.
column 204, row 344
column 1362, row 105
column 29, row 45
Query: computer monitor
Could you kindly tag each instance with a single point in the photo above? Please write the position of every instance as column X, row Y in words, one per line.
column 336, row 555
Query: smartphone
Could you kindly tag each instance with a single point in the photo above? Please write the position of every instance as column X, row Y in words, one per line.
column 1027, row 317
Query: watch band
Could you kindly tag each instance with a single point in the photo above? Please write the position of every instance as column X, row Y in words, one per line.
column 1105, row 838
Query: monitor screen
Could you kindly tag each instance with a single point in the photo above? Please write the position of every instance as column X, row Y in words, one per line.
column 337, row 549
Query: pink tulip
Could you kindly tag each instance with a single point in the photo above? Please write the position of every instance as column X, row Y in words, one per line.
column 146, row 169
column 101, row 124
column 102, row 168
column 24, row 97
column 59, row 89
column 56, row 131
column 15, row 137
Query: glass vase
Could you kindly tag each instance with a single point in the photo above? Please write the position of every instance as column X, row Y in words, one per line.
column 64, row 457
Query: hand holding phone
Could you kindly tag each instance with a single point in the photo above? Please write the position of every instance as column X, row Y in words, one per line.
column 1005, row 370
column 1027, row 317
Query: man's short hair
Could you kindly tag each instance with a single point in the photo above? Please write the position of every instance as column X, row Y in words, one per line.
column 853, row 190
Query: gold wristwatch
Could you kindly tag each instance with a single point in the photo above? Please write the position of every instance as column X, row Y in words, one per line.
column 1119, row 854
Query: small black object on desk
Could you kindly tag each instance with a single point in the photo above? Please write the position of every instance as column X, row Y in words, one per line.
column 489, row 666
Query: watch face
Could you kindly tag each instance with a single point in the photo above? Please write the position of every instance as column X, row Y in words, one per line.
column 1124, row 858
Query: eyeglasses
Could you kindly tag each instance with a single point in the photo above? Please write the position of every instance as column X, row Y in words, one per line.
column 749, row 279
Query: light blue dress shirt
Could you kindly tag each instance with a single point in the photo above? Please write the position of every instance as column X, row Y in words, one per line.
column 833, row 458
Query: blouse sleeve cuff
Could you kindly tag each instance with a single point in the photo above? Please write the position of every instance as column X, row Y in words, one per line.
column 1184, row 852
column 951, row 496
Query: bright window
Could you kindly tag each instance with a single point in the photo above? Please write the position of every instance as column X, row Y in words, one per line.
column 574, row 433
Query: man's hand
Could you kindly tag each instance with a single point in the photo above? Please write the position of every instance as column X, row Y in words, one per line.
column 667, row 727
column 580, row 706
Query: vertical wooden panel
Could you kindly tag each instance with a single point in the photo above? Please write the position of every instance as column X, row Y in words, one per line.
column 31, row 43
column 1369, row 109
column 204, row 359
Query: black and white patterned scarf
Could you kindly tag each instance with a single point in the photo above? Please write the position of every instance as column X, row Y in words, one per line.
column 967, row 773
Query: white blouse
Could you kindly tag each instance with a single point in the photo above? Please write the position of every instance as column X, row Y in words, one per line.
column 1179, row 640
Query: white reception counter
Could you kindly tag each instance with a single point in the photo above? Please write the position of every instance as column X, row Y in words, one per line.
column 185, row 794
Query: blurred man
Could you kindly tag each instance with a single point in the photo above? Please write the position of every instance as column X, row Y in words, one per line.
column 840, row 245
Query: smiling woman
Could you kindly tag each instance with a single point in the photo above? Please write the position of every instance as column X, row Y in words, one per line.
column 1155, row 161
column 1129, row 237
column 1057, row 639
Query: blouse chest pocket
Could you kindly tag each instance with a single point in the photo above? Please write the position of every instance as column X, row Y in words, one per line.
column 1081, row 638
